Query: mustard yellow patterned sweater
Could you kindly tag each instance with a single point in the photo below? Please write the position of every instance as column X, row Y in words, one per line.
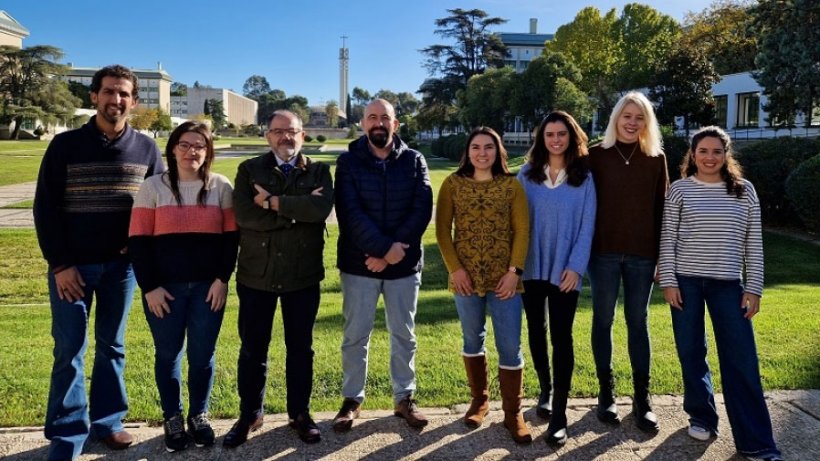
column 491, row 222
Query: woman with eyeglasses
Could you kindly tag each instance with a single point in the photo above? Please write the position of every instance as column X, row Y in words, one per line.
column 183, row 244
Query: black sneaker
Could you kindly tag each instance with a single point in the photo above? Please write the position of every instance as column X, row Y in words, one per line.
column 175, row 437
column 199, row 428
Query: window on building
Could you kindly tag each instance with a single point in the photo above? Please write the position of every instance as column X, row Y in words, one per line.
column 748, row 109
column 721, row 110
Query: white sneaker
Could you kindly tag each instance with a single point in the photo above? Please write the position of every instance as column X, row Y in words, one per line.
column 699, row 433
column 765, row 458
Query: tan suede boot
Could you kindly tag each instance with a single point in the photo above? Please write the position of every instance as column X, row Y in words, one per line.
column 511, row 382
column 477, row 378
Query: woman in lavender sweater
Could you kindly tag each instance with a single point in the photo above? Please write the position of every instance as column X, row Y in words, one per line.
column 561, row 197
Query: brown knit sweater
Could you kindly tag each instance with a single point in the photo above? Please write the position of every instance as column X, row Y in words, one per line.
column 630, row 200
column 492, row 228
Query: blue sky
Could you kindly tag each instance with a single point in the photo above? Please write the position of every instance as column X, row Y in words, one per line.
column 294, row 44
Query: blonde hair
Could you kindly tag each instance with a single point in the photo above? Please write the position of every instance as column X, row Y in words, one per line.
column 650, row 137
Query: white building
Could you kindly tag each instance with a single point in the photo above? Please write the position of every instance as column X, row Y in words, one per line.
column 12, row 32
column 239, row 110
column 523, row 48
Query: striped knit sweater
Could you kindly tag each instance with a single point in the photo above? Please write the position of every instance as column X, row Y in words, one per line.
column 708, row 233
column 85, row 190
column 183, row 243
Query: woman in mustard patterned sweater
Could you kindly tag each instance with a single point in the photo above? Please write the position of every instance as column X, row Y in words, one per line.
column 482, row 228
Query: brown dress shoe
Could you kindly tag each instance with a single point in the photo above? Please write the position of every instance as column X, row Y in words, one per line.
column 118, row 440
column 408, row 410
column 306, row 428
column 239, row 432
column 344, row 419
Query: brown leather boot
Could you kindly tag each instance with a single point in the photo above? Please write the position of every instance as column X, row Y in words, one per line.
column 511, row 382
column 477, row 378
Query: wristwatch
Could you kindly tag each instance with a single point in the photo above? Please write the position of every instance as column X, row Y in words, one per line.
column 266, row 203
column 517, row 270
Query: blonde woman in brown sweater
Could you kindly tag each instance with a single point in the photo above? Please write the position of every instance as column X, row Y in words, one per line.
column 482, row 228
column 631, row 179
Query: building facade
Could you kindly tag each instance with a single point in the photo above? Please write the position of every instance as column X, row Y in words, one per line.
column 523, row 48
column 239, row 110
column 12, row 32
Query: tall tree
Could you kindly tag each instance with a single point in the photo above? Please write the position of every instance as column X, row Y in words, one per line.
column 142, row 118
column 388, row 96
column 332, row 112
column 645, row 37
column 682, row 86
column 534, row 92
column 161, row 123
column 83, row 92
column 789, row 57
column 475, row 49
column 217, row 113
column 408, row 102
column 486, row 99
column 361, row 96
column 23, row 72
column 722, row 31
column 179, row 89
column 255, row 87
column 588, row 42
column 615, row 53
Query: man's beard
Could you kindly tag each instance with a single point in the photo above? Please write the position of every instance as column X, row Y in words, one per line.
column 378, row 137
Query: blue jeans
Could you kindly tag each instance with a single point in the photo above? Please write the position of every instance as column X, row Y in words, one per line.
column 192, row 314
column 70, row 417
column 360, row 295
column 606, row 271
column 506, row 317
column 739, row 371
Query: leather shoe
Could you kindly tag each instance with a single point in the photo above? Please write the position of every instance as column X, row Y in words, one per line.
column 306, row 428
column 344, row 419
column 409, row 410
column 118, row 440
column 239, row 432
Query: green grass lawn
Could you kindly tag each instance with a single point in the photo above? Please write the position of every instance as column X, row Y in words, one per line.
column 787, row 331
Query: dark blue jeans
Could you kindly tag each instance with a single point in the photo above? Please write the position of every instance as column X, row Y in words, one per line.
column 70, row 416
column 256, row 309
column 190, row 314
column 606, row 271
column 739, row 370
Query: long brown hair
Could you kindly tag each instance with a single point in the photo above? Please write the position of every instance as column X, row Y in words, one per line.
column 574, row 157
column 730, row 172
column 204, row 170
column 499, row 168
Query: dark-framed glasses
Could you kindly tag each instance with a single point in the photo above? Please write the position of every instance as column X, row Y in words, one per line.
column 186, row 146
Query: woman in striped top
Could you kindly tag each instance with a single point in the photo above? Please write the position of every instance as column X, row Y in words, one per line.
column 183, row 243
column 710, row 237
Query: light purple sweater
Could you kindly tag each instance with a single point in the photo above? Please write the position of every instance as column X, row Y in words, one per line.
column 562, row 222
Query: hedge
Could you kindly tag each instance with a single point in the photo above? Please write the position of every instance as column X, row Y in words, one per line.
column 767, row 164
column 803, row 191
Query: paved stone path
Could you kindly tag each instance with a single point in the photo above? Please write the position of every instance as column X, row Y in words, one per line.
column 378, row 435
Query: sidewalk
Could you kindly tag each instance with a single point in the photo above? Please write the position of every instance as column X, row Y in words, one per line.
column 378, row 435
column 12, row 194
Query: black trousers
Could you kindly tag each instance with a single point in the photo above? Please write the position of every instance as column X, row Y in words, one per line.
column 561, row 307
column 256, row 310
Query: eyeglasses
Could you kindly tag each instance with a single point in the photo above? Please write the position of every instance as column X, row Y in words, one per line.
column 186, row 146
column 279, row 132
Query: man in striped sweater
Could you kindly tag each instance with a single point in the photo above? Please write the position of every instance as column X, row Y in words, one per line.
column 82, row 206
